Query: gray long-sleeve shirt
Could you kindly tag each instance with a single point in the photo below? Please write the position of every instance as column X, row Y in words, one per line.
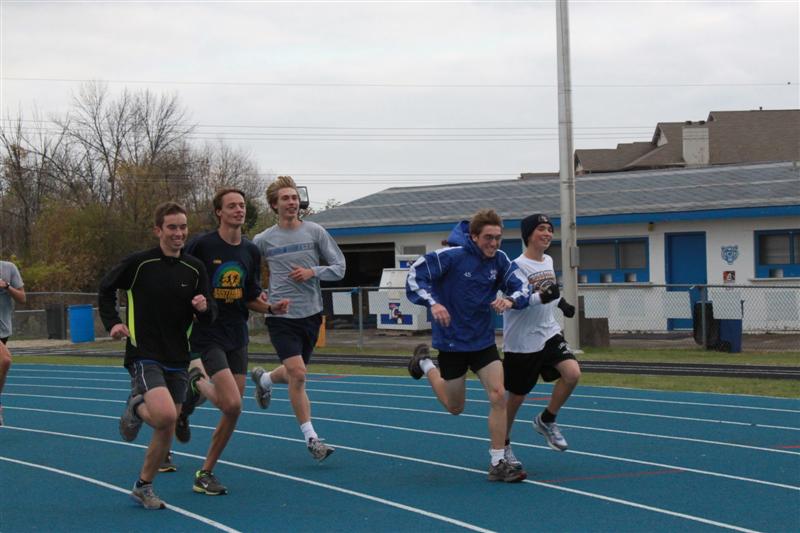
column 285, row 249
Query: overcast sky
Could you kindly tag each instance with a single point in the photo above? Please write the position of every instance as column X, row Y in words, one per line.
column 354, row 97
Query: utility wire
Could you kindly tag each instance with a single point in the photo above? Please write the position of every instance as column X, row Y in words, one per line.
column 407, row 85
column 374, row 128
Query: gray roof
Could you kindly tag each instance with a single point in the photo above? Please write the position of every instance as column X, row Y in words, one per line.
column 612, row 159
column 654, row 191
column 735, row 137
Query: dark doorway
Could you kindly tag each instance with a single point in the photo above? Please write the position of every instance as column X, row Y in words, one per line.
column 365, row 263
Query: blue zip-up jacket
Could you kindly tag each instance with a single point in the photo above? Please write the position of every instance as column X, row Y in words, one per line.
column 465, row 282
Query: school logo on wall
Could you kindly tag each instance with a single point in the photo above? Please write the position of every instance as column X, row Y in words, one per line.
column 730, row 253
column 395, row 316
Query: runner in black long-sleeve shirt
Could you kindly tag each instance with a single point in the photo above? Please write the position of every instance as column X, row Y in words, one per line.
column 166, row 290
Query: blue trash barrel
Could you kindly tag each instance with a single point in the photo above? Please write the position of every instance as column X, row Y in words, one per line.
column 730, row 333
column 81, row 323
column 730, row 336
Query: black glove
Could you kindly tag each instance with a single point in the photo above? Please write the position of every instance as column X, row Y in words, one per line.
column 566, row 308
column 548, row 291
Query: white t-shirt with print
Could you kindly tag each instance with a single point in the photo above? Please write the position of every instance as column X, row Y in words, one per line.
column 527, row 330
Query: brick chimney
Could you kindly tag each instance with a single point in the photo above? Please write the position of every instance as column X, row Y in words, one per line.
column 695, row 144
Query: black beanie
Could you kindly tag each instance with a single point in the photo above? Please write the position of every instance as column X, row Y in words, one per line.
column 529, row 224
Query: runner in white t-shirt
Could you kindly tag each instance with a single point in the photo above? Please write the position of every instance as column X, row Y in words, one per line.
column 532, row 342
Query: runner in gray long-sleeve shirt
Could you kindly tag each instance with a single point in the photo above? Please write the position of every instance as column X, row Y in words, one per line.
column 293, row 249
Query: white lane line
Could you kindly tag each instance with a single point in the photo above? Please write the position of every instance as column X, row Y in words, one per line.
column 601, row 497
column 568, row 408
column 70, row 387
column 179, row 510
column 389, row 503
column 480, row 389
column 449, row 436
column 47, row 367
column 473, row 389
column 579, row 395
column 588, row 428
column 593, row 495
column 478, row 400
column 699, row 404
column 468, row 415
column 73, row 379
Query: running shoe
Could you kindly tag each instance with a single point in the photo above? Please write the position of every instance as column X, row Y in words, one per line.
column 503, row 471
column 319, row 450
column 510, row 458
column 146, row 497
column 207, row 483
column 551, row 433
column 168, row 465
column 182, row 430
column 193, row 396
column 420, row 352
column 129, row 422
column 263, row 394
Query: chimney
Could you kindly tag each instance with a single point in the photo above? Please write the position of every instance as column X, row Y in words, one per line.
column 695, row 144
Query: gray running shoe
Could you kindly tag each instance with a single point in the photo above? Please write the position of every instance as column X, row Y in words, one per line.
column 551, row 433
column 503, row 471
column 168, row 465
column 319, row 450
column 146, row 497
column 510, row 458
column 207, row 483
column 182, row 430
column 263, row 394
column 129, row 422
column 420, row 352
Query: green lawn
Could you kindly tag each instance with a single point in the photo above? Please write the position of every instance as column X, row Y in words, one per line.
column 759, row 387
column 653, row 355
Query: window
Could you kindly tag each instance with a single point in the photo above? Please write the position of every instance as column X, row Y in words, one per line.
column 778, row 253
column 597, row 256
column 632, row 255
column 609, row 260
column 796, row 244
column 774, row 249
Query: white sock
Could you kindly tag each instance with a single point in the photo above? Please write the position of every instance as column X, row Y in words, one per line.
column 497, row 455
column 426, row 365
column 266, row 380
column 308, row 431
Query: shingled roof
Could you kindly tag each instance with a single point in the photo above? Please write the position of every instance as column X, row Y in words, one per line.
column 764, row 186
column 751, row 136
column 734, row 137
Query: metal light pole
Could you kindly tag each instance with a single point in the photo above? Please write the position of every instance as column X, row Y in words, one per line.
column 569, row 240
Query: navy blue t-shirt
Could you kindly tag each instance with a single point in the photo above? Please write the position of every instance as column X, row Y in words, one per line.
column 234, row 272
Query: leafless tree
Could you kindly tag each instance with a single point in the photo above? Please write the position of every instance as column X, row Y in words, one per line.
column 30, row 158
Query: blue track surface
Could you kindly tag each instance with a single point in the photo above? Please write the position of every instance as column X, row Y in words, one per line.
column 638, row 461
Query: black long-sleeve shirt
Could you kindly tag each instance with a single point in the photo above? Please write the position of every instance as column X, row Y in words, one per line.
column 159, row 290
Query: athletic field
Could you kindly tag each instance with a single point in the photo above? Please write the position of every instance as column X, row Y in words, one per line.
column 639, row 460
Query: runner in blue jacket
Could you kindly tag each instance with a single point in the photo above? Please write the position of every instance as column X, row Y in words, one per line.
column 460, row 285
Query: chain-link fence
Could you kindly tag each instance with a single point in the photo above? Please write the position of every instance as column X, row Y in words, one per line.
column 651, row 308
column 45, row 315
column 628, row 309
column 660, row 308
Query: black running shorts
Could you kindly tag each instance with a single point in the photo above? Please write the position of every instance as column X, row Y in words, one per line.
column 147, row 374
column 453, row 365
column 522, row 370
column 294, row 336
column 216, row 359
